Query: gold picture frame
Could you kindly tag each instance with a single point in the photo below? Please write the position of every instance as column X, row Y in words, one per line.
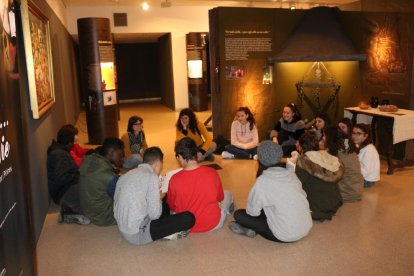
column 36, row 37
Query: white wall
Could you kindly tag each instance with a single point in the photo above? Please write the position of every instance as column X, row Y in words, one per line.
column 59, row 9
column 175, row 20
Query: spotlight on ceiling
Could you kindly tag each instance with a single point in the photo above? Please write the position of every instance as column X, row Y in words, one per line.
column 145, row 6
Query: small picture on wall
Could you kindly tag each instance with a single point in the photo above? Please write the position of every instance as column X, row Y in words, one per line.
column 234, row 72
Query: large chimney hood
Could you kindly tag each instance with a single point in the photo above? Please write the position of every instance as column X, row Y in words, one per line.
column 318, row 37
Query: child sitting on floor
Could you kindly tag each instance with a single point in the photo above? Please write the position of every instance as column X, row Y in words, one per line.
column 368, row 155
column 244, row 137
column 277, row 208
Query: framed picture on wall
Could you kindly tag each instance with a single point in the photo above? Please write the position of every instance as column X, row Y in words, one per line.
column 36, row 36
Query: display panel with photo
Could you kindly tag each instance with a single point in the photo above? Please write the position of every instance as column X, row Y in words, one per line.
column 234, row 72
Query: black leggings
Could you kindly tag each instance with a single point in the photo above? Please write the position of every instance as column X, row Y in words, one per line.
column 167, row 225
column 258, row 224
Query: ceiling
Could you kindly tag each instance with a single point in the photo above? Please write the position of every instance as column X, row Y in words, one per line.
column 153, row 37
column 242, row 3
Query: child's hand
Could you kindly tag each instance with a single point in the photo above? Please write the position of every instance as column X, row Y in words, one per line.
column 294, row 157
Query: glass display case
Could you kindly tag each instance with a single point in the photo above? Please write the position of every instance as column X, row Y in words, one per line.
column 108, row 76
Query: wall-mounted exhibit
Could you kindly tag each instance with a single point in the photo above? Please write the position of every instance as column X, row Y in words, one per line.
column 99, row 78
column 266, row 58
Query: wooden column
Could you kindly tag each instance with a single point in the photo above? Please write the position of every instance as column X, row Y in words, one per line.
column 99, row 76
column 197, row 70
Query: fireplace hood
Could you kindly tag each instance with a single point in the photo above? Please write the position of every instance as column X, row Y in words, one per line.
column 318, row 37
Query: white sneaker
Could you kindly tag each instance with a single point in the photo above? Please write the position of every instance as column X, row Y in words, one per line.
column 177, row 236
column 227, row 155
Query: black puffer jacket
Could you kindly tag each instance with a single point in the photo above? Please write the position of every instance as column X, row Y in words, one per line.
column 320, row 185
column 62, row 171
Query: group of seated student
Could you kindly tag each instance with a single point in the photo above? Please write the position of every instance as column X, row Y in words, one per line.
column 333, row 163
column 323, row 167
column 195, row 201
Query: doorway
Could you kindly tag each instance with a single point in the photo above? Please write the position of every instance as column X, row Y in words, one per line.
column 144, row 68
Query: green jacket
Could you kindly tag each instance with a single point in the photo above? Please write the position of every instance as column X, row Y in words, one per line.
column 95, row 173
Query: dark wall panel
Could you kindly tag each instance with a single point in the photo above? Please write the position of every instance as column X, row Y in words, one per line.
column 66, row 110
column 166, row 71
column 250, row 27
column 137, row 71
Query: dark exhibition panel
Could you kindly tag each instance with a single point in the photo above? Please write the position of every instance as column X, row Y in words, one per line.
column 138, row 70
column 247, row 43
column 17, row 246
column 166, row 71
column 67, row 106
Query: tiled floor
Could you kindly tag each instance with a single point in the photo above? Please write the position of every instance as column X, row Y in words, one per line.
column 371, row 237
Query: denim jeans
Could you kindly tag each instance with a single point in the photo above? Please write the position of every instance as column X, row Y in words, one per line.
column 132, row 161
column 241, row 153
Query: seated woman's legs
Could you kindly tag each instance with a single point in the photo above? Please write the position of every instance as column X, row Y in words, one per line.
column 258, row 224
column 209, row 152
column 241, row 153
column 132, row 161
column 168, row 225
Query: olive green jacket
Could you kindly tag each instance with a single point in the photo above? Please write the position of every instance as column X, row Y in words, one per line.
column 95, row 174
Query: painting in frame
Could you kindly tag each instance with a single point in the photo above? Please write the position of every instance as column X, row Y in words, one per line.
column 36, row 36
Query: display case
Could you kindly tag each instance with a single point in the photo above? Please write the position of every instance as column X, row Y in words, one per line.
column 99, row 78
column 197, row 70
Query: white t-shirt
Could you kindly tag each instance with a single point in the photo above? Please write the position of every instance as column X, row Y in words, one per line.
column 370, row 163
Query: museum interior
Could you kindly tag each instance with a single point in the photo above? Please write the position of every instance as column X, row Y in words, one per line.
column 96, row 63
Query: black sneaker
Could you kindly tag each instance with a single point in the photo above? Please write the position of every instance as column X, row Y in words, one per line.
column 76, row 218
column 209, row 158
column 241, row 230
column 66, row 215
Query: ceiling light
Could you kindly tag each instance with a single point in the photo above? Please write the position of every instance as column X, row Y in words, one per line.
column 145, row 6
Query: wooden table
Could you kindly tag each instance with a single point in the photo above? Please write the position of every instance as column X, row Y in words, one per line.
column 399, row 127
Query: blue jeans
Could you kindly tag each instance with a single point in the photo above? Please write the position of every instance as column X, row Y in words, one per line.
column 241, row 153
column 132, row 161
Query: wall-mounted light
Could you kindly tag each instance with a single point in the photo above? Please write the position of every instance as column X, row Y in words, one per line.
column 267, row 74
column 145, row 6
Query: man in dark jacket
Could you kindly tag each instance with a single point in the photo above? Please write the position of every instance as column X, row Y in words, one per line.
column 63, row 177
